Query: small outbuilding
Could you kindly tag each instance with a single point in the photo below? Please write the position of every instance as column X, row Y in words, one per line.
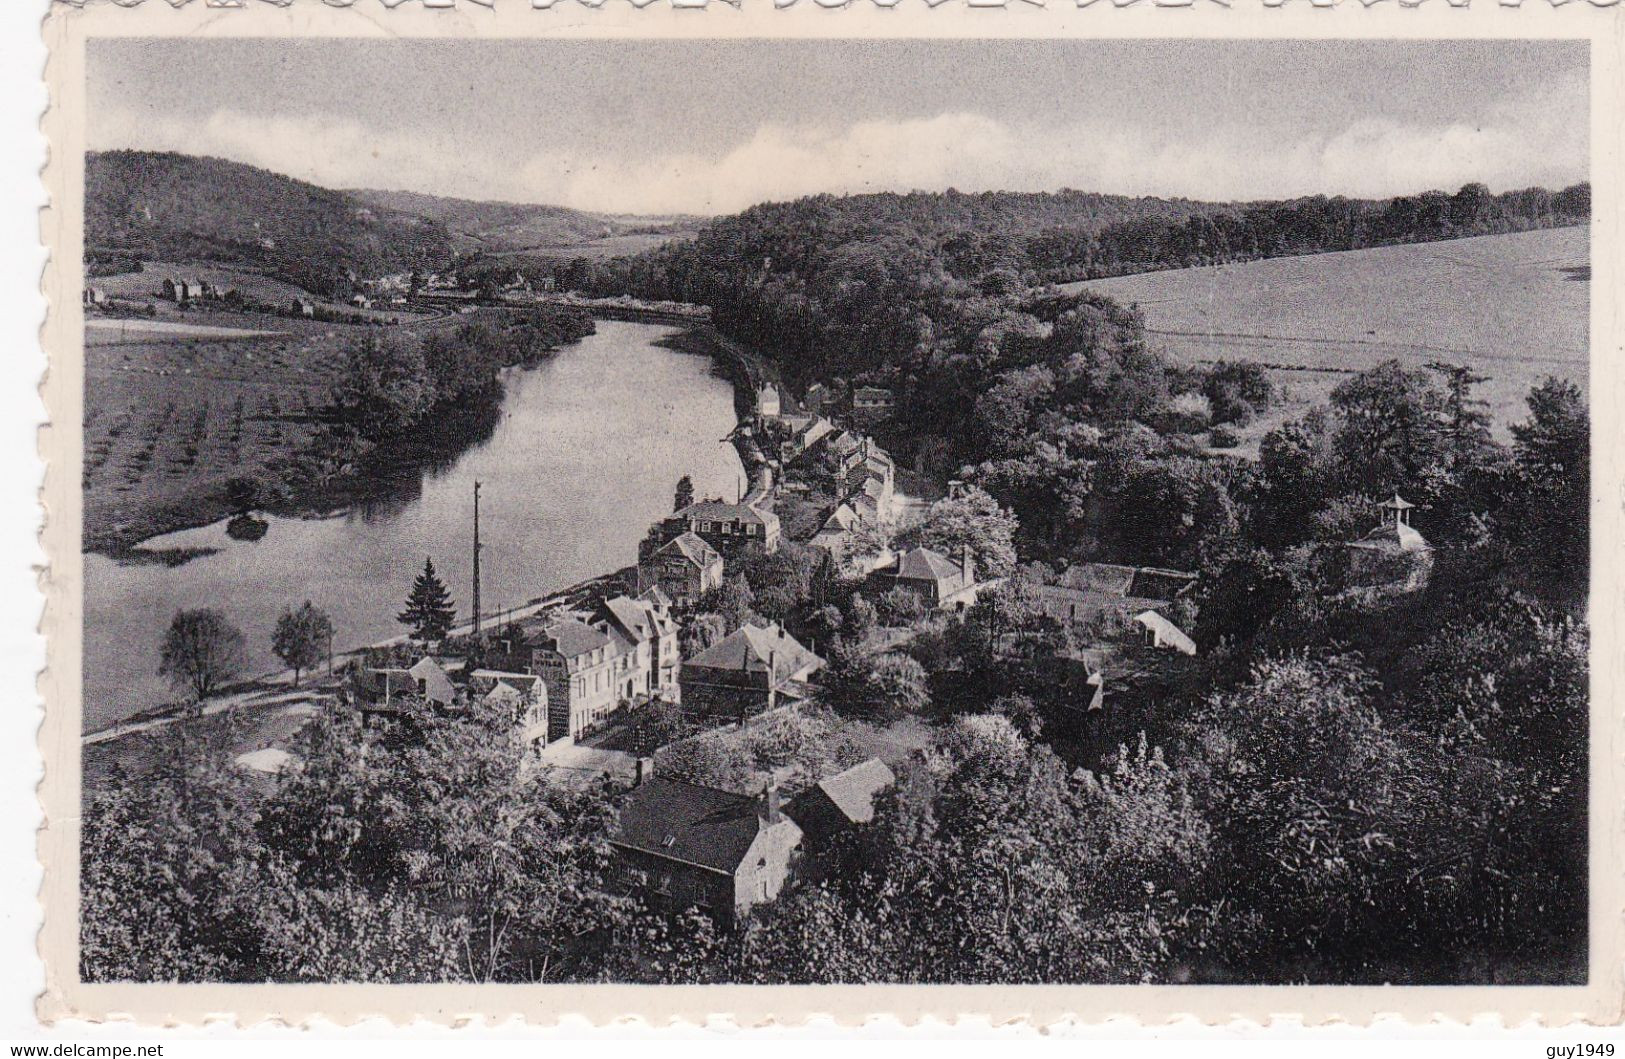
column 842, row 801
column 1393, row 554
column 1158, row 631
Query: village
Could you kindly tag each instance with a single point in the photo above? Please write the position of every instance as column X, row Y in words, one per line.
column 580, row 674
column 648, row 569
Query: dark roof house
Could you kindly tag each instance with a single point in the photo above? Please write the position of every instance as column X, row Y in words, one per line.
column 726, row 527
column 750, row 648
column 935, row 576
column 746, row 672
column 689, row 845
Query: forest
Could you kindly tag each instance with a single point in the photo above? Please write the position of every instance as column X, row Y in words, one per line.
column 164, row 206
column 871, row 286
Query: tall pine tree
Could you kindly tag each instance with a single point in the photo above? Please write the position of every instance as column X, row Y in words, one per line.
column 428, row 610
column 685, row 493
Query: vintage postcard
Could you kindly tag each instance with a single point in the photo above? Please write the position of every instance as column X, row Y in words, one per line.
column 760, row 512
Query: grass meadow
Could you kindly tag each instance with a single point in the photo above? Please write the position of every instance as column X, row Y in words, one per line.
column 1515, row 307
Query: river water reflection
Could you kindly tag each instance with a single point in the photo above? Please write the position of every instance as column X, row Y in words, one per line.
column 586, row 455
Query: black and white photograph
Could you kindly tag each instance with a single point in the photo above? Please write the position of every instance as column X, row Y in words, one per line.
column 766, row 511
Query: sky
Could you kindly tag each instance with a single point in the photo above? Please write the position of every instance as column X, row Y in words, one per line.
column 711, row 127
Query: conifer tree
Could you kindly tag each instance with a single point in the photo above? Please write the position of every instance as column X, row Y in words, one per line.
column 685, row 493
column 428, row 610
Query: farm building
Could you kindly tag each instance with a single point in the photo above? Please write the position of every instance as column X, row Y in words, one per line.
column 182, row 291
column 1088, row 592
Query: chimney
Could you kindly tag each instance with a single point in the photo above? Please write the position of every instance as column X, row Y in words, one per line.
column 968, row 564
column 770, row 801
column 645, row 770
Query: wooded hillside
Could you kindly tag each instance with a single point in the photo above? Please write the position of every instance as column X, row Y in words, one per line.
column 174, row 207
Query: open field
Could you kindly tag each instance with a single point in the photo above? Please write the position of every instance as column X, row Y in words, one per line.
column 178, row 405
column 1515, row 307
column 120, row 329
column 147, row 286
column 170, row 418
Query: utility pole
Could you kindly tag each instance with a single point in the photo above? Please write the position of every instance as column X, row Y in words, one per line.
column 476, row 560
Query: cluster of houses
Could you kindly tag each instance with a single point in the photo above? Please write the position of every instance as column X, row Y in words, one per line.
column 839, row 467
column 567, row 671
column 563, row 673
column 183, row 291
column 863, row 405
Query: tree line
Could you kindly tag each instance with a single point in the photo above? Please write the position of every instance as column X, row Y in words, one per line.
column 202, row 651
column 940, row 296
column 400, row 395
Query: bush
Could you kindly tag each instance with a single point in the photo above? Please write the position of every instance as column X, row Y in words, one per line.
column 902, row 606
column 1223, row 438
column 1188, row 413
column 1237, row 391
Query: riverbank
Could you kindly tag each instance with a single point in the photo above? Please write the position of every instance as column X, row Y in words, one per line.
column 748, row 372
column 294, row 488
column 277, row 688
column 170, row 426
column 583, row 457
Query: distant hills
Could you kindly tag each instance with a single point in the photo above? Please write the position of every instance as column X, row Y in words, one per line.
column 149, row 205
column 509, row 227
column 144, row 205
column 176, row 207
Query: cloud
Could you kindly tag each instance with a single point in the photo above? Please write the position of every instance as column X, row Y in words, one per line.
column 1536, row 138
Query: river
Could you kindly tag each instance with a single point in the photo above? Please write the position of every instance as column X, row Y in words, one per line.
column 586, row 455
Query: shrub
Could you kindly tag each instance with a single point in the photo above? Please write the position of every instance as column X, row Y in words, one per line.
column 1237, row 391
column 1223, row 438
column 902, row 606
column 1189, row 413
